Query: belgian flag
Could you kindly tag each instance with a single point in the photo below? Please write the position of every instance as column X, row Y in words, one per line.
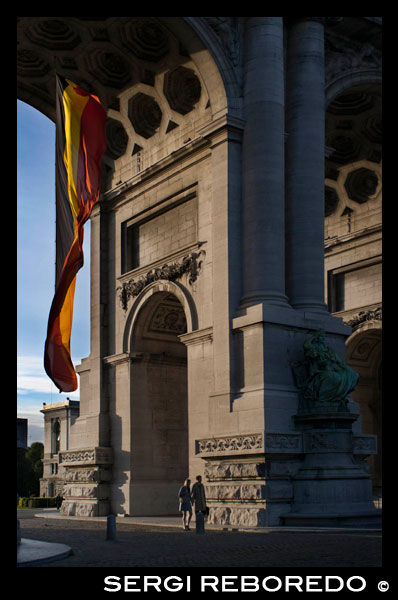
column 80, row 145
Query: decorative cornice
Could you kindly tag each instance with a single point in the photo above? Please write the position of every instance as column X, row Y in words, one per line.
column 199, row 336
column 190, row 265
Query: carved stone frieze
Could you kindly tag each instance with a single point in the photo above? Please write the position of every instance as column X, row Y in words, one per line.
column 90, row 456
column 225, row 471
column 283, row 442
column 237, row 444
column 364, row 444
column 189, row 265
column 238, row 492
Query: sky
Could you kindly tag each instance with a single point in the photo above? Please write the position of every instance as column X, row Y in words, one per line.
column 36, row 270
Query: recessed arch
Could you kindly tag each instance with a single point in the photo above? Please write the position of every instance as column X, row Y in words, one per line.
column 159, row 456
column 161, row 286
column 364, row 355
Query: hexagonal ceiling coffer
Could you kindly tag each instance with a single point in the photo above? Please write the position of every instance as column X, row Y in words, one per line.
column 30, row 64
column 351, row 103
column 116, row 138
column 182, row 89
column 53, row 34
column 145, row 114
column 346, row 148
column 360, row 184
column 331, row 200
column 110, row 68
column 146, row 39
column 372, row 129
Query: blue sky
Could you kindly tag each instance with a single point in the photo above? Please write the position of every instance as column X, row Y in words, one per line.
column 36, row 269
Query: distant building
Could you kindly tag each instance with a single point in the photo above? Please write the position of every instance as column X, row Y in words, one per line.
column 58, row 419
column 22, row 433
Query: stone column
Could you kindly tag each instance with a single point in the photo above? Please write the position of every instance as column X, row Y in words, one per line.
column 305, row 126
column 263, row 163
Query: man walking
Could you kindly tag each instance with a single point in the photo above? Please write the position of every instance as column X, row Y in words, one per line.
column 198, row 495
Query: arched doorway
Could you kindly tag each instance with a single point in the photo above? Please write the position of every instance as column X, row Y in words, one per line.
column 159, row 406
column 364, row 355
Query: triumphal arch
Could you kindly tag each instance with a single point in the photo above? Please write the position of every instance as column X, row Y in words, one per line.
column 213, row 350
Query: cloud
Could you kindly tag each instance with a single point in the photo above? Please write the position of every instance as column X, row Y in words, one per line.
column 32, row 378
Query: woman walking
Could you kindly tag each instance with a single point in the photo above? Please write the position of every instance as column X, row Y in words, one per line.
column 185, row 507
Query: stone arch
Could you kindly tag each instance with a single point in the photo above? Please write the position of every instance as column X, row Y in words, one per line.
column 161, row 286
column 159, row 458
column 349, row 80
column 110, row 54
column 364, row 355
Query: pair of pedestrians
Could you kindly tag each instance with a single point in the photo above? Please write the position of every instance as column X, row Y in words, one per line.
column 188, row 498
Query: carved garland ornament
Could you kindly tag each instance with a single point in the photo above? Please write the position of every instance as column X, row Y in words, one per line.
column 363, row 316
column 189, row 265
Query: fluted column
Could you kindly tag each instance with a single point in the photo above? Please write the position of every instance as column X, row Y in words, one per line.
column 305, row 125
column 263, row 163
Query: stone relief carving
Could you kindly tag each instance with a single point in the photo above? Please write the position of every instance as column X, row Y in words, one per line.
column 342, row 55
column 227, row 445
column 78, row 456
column 365, row 315
column 365, row 445
column 190, row 265
column 278, row 441
column 168, row 319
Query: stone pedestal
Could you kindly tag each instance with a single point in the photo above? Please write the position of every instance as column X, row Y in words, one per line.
column 86, row 489
column 248, row 477
column 332, row 487
column 313, row 477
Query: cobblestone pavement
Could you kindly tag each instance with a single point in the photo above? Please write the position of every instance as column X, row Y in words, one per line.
column 142, row 546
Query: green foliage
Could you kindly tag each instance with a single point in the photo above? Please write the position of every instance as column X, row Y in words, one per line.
column 29, row 469
column 36, row 502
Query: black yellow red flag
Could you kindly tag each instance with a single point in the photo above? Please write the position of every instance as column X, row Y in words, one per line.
column 80, row 145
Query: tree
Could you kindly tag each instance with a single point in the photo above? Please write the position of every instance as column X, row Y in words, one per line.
column 29, row 469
